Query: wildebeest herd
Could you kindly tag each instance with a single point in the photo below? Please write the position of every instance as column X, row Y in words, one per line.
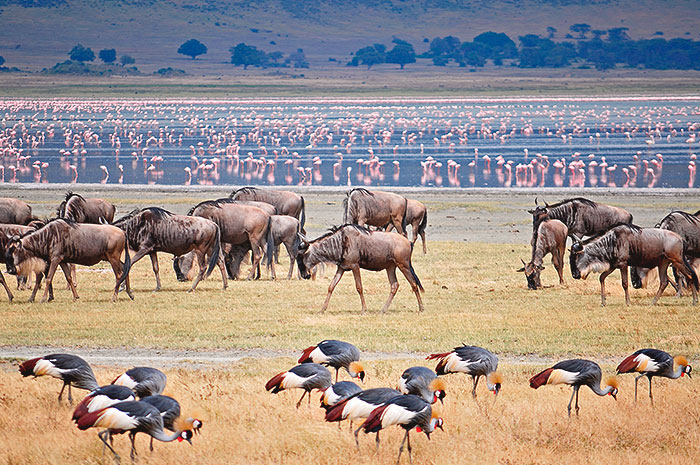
column 217, row 232
column 613, row 243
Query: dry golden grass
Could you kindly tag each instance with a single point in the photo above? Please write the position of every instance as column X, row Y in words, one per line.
column 472, row 295
column 245, row 424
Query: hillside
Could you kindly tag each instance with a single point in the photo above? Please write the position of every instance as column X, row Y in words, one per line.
column 38, row 33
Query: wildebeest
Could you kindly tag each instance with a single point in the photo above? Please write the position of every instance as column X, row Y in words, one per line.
column 14, row 211
column 286, row 202
column 417, row 217
column 62, row 241
column 81, row 210
column 628, row 245
column 352, row 247
column 685, row 225
column 377, row 209
column 152, row 230
column 7, row 231
column 238, row 224
column 581, row 216
column 551, row 238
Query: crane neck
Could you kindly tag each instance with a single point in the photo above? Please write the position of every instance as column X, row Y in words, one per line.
column 162, row 436
column 601, row 392
column 677, row 373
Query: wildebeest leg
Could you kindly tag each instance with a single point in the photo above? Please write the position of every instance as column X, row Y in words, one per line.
column 558, row 262
column 73, row 276
column 604, row 275
column 37, row 284
column 396, row 221
column 414, row 285
column 291, row 260
column 202, row 262
column 222, row 267
column 663, row 280
column 625, row 283
column 686, row 272
column 256, row 255
column 391, row 274
column 336, row 279
column 49, row 280
column 422, row 239
column 7, row 289
column 71, row 285
column 156, row 269
column 358, row 286
column 118, row 268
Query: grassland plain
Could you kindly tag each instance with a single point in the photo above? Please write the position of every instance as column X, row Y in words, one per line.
column 473, row 295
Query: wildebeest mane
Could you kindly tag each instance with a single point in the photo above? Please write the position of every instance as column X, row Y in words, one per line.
column 334, row 229
column 77, row 205
column 158, row 214
column 350, row 208
column 245, row 190
column 583, row 200
column 631, row 227
column 671, row 218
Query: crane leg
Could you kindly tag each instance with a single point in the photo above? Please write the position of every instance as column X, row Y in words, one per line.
column 357, row 442
column 401, row 448
column 636, row 380
column 650, row 396
column 376, row 440
column 302, row 398
column 577, row 400
column 568, row 408
column 476, row 381
column 336, row 375
column 151, row 444
column 70, row 395
column 101, row 435
column 133, row 446
column 60, row 394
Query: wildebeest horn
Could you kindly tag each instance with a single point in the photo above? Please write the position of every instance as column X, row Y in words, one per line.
column 546, row 204
column 536, row 202
column 576, row 238
column 523, row 261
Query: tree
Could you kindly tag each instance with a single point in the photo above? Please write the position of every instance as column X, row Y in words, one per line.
column 497, row 45
column 127, row 60
column 581, row 29
column 371, row 55
column 192, row 48
column 80, row 53
column 108, row 55
column 551, row 31
column 618, row 34
column 298, row 59
column 2, row 60
column 402, row 53
column 247, row 55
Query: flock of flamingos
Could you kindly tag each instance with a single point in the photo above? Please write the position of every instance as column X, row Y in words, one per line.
column 580, row 143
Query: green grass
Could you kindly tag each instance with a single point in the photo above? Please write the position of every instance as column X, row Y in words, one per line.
column 472, row 295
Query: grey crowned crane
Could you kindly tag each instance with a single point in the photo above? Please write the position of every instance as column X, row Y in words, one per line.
column 337, row 393
column 169, row 409
column 359, row 406
column 576, row 373
column 407, row 411
column 144, row 381
column 423, row 382
column 71, row 369
column 132, row 417
column 654, row 362
column 103, row 397
column 307, row 376
column 473, row 361
column 335, row 354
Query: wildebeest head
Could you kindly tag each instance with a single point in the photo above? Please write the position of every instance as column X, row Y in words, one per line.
column 532, row 273
column 184, row 267
column 576, row 255
column 637, row 275
column 302, row 257
column 20, row 261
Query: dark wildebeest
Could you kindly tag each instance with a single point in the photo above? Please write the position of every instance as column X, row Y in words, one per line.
column 581, row 216
column 685, row 225
column 62, row 241
column 628, row 245
column 238, row 224
column 352, row 247
column 7, row 232
column 14, row 211
column 286, row 202
column 81, row 210
column 417, row 217
column 377, row 209
column 152, row 230
column 551, row 238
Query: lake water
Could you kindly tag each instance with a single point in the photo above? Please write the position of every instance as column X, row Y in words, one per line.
column 634, row 142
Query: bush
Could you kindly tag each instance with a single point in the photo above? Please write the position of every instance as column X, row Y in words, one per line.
column 80, row 53
column 108, row 55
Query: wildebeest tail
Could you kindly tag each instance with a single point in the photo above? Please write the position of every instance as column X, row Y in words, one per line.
column 214, row 259
column 423, row 223
column 346, row 204
column 691, row 270
column 270, row 243
column 403, row 218
column 127, row 264
column 297, row 242
column 302, row 219
column 178, row 272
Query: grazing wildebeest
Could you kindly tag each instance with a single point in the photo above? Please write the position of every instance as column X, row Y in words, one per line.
column 152, row 230
column 417, row 217
column 238, row 224
column 14, row 211
column 377, row 209
column 62, row 241
column 685, row 225
column 7, row 232
column 581, row 216
column 81, row 210
column 352, row 247
column 286, row 202
column 551, row 238
column 628, row 245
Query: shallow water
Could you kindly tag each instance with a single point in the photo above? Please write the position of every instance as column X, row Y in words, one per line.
column 295, row 142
